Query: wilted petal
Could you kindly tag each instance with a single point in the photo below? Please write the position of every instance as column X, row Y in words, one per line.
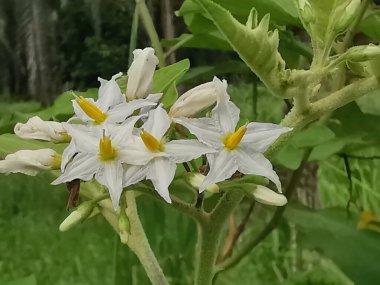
column 83, row 166
column 186, row 150
column 161, row 172
column 133, row 174
column 225, row 113
column 140, row 74
column 111, row 176
column 109, row 93
column 203, row 129
column 30, row 162
column 257, row 164
column 158, row 123
column 37, row 129
column 259, row 136
column 222, row 166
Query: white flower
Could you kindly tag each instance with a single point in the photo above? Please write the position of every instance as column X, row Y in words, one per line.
column 156, row 159
column 111, row 106
column 140, row 73
column 30, row 162
column 267, row 196
column 100, row 154
column 194, row 101
column 237, row 149
column 37, row 129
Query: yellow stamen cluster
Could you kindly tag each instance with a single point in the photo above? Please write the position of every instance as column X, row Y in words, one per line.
column 232, row 141
column 151, row 142
column 91, row 110
column 106, row 150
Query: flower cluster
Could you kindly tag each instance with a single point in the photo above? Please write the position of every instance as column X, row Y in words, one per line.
column 122, row 139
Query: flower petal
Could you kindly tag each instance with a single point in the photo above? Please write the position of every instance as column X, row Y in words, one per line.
column 259, row 136
column 256, row 164
column 86, row 139
column 140, row 73
column 161, row 172
column 29, row 162
column 79, row 111
column 111, row 176
column 222, row 166
column 186, row 150
column 136, row 153
column 203, row 129
column 154, row 98
column 267, row 196
column 109, row 93
column 158, row 123
column 133, row 174
column 37, row 129
column 68, row 154
column 83, row 166
column 120, row 112
column 122, row 134
column 225, row 113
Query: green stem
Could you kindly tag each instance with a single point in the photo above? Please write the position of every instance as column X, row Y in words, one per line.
column 317, row 109
column 210, row 232
column 151, row 31
column 139, row 244
column 272, row 224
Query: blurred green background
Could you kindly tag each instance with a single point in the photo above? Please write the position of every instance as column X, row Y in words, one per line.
column 49, row 47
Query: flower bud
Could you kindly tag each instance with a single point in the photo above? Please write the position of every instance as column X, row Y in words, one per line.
column 140, row 73
column 37, row 129
column 267, row 196
column 194, row 101
column 78, row 215
column 30, row 162
column 363, row 53
column 196, row 180
column 124, row 227
column 349, row 12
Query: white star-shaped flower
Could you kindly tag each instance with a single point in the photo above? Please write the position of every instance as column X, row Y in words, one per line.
column 111, row 106
column 100, row 154
column 237, row 150
column 156, row 159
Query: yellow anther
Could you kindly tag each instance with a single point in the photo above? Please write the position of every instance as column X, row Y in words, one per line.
column 91, row 110
column 151, row 142
column 106, row 150
column 232, row 141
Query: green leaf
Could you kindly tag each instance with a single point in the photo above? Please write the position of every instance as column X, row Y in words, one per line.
column 312, row 136
column 290, row 157
column 256, row 46
column 370, row 103
column 329, row 231
column 30, row 280
column 170, row 96
column 10, row 143
column 370, row 21
column 165, row 76
column 327, row 149
column 62, row 108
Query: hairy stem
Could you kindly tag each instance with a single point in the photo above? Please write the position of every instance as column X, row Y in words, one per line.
column 210, row 232
column 139, row 244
